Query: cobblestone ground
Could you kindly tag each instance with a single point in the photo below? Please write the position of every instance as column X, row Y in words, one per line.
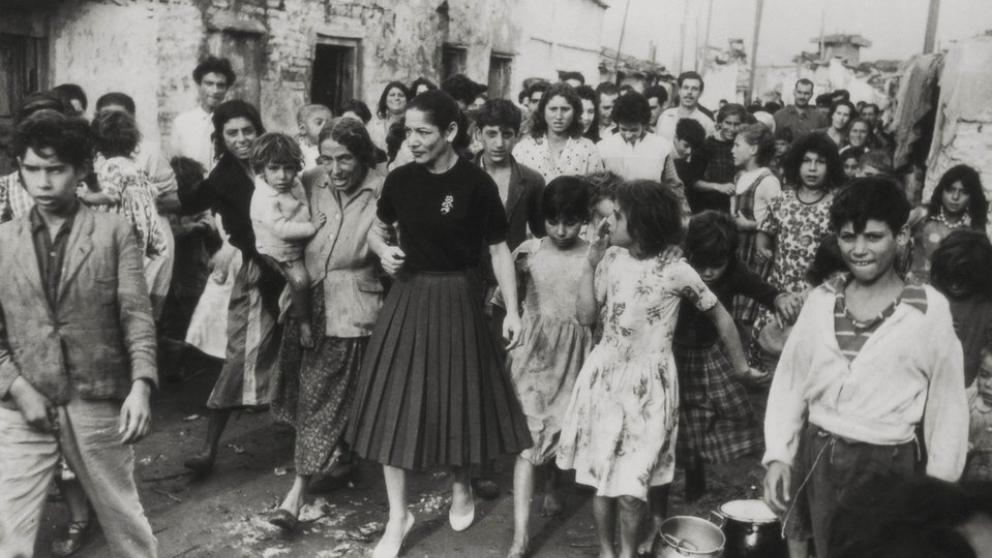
column 221, row 516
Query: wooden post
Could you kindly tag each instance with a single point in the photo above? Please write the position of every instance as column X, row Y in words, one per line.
column 754, row 49
column 623, row 29
column 931, row 33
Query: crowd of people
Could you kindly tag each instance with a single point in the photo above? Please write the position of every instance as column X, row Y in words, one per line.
column 589, row 279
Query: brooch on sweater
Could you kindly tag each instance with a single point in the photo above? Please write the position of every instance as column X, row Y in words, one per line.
column 447, row 204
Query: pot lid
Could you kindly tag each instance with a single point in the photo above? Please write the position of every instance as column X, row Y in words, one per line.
column 749, row 511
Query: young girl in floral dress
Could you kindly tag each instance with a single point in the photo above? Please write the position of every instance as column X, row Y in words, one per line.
column 553, row 343
column 620, row 428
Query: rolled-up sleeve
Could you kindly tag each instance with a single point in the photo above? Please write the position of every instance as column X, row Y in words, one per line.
column 945, row 418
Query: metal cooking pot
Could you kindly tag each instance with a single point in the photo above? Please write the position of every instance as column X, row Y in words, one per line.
column 752, row 530
column 684, row 536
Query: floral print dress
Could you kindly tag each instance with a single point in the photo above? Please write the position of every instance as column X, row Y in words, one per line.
column 620, row 428
column 579, row 157
column 797, row 228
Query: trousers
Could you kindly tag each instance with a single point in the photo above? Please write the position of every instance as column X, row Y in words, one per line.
column 87, row 435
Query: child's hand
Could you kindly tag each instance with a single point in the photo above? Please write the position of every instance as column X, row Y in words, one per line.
column 788, row 306
column 319, row 219
column 727, row 189
column 597, row 249
column 765, row 254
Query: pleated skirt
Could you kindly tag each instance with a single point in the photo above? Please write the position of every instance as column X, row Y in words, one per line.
column 433, row 391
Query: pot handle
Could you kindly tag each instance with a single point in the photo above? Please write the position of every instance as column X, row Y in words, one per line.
column 674, row 543
column 719, row 518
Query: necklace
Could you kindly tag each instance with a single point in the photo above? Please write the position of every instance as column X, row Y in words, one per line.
column 799, row 197
column 964, row 222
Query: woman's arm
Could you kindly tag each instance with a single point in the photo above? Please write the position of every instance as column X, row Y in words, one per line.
column 506, row 278
column 763, row 244
column 391, row 257
column 586, row 305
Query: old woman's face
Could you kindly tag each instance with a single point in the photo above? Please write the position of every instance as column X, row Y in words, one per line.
column 341, row 164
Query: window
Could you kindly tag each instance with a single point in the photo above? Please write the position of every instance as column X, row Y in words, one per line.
column 452, row 60
column 500, row 66
column 23, row 66
column 335, row 72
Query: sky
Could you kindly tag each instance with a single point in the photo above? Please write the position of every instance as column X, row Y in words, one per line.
column 895, row 27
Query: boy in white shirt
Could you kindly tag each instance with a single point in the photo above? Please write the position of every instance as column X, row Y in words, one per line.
column 867, row 355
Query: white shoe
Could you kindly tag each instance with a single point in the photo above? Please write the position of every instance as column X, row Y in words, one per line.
column 461, row 522
column 388, row 550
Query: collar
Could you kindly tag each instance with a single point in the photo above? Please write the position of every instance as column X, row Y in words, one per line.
column 38, row 222
column 912, row 295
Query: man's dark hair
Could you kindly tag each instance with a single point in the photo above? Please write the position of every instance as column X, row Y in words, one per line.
column 870, row 199
column 626, row 88
column 462, row 89
column 40, row 100
column 564, row 90
column 691, row 132
column 963, row 260
column 357, row 107
column 691, row 75
column 841, row 95
column 116, row 98
column 115, row 133
column 804, row 81
column 565, row 76
column 978, row 206
column 539, row 86
column 823, row 100
column 820, row 144
column 70, row 91
column 654, row 214
column 68, row 136
column 606, row 88
column 214, row 65
column 711, row 239
column 499, row 112
column 631, row 108
column 873, row 106
column 430, row 85
column 568, row 197
column 658, row 92
column 380, row 107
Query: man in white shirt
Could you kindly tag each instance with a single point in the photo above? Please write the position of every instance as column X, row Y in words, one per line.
column 192, row 130
column 690, row 88
column 606, row 96
column 871, row 377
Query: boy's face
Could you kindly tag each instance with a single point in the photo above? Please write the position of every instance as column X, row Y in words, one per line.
column 631, row 132
column 730, row 126
column 50, row 182
column 279, row 175
column 313, row 123
column 562, row 231
column 497, row 142
column 683, row 148
column 871, row 253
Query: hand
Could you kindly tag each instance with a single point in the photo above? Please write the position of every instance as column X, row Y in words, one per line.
column 765, row 254
column 778, row 486
column 319, row 219
column 392, row 259
column 597, row 249
column 753, row 376
column 136, row 413
column 726, row 189
column 35, row 408
column 511, row 329
column 787, row 307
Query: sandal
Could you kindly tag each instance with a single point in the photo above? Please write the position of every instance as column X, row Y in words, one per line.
column 77, row 535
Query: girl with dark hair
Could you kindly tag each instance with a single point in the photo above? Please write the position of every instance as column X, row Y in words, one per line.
column 589, row 115
column 421, row 85
column 841, row 114
column 555, row 146
column 757, row 187
column 958, row 202
column 252, row 331
column 619, row 428
column 553, row 344
column 432, row 390
column 388, row 111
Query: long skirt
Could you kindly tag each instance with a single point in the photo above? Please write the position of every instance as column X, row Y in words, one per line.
column 717, row 422
column 433, row 391
column 312, row 389
column 252, row 341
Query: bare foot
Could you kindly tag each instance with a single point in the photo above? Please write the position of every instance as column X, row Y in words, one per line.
column 392, row 539
column 647, row 545
column 519, row 548
column 306, row 336
column 551, row 505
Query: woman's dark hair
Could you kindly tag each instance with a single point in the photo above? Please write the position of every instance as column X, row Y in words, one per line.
column 189, row 173
column 978, row 206
column 37, row 101
column 68, row 136
column 631, row 108
column 711, row 239
column 70, row 91
column 115, row 133
column 784, row 134
column 848, row 104
column 462, row 89
column 963, row 260
column 731, row 109
column 568, row 197
column 604, row 186
column 395, row 137
column 761, row 137
column 122, row 100
column 500, row 113
column 852, row 153
column 229, row 110
column 275, row 148
column 587, row 93
column 691, row 132
column 565, row 91
column 430, row 85
column 441, row 110
column 870, row 199
column 353, row 136
column 381, row 110
column 820, row 144
column 654, row 214
column 214, row 65
column 358, row 107
column 827, row 260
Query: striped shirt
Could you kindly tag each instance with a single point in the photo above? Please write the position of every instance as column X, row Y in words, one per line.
column 851, row 333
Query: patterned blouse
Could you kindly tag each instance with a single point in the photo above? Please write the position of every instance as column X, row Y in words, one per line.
column 579, row 157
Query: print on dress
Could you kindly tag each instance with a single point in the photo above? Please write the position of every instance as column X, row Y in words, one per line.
column 447, row 204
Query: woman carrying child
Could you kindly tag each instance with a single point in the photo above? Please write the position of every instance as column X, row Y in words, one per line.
column 620, row 428
column 553, row 344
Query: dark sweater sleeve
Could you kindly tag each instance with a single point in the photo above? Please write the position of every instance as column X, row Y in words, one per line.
column 750, row 284
column 535, row 215
column 196, row 199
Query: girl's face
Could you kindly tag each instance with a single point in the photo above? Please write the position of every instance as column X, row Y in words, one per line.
column 710, row 274
column 813, row 170
column 841, row 117
column 743, row 151
column 238, row 133
column 424, row 138
column 619, row 235
column 559, row 114
column 955, row 199
column 279, row 175
column 781, row 147
column 395, row 101
column 858, row 135
column 850, row 167
column 588, row 114
column 563, row 231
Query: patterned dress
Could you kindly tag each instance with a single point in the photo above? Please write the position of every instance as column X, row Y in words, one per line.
column 619, row 432
column 579, row 157
column 554, row 345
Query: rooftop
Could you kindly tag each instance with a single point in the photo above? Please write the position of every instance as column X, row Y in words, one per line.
column 842, row 38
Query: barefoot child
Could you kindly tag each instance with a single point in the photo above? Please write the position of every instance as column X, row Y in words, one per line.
column 553, row 344
column 867, row 355
column 281, row 218
column 620, row 428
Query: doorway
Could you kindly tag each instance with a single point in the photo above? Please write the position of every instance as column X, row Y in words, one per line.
column 335, row 72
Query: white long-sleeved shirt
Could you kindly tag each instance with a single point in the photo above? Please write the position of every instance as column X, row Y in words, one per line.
column 281, row 221
column 910, row 371
column 191, row 137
